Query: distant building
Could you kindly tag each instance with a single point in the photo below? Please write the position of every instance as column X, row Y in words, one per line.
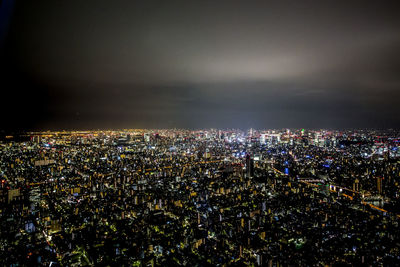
column 249, row 166
column 263, row 138
column 146, row 137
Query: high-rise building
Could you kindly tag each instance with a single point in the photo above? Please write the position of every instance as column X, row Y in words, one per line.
column 146, row 137
column 249, row 166
column 263, row 138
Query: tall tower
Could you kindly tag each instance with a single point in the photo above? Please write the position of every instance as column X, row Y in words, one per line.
column 249, row 166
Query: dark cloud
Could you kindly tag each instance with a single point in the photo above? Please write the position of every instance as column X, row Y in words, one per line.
column 98, row 64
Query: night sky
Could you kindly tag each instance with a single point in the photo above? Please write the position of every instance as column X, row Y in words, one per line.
column 120, row 64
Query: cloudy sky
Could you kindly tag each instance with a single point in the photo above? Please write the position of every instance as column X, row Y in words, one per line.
column 187, row 64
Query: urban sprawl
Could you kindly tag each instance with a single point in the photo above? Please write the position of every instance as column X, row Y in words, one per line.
column 200, row 198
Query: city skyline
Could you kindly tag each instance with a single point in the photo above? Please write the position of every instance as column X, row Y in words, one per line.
column 199, row 133
column 201, row 198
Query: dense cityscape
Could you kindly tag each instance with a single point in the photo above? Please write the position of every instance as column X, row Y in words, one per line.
column 284, row 197
column 199, row 133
